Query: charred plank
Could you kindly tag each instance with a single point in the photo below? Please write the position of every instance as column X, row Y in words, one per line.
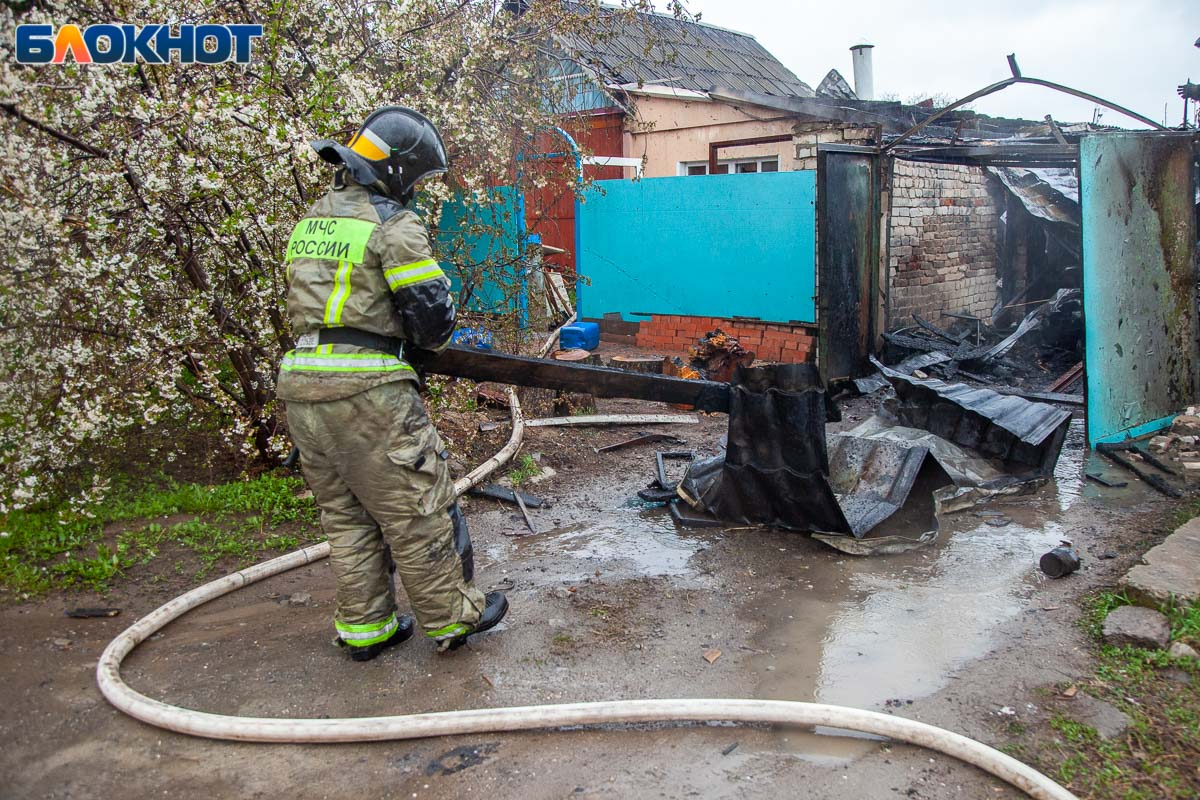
column 481, row 365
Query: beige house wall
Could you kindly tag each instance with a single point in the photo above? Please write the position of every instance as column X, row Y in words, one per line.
column 669, row 130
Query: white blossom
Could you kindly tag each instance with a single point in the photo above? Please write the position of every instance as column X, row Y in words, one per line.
column 145, row 209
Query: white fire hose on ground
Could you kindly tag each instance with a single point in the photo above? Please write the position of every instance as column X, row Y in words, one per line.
column 494, row 720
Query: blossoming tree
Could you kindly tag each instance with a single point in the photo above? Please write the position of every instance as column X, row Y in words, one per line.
column 145, row 208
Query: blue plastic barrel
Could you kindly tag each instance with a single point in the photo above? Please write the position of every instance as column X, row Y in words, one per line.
column 580, row 335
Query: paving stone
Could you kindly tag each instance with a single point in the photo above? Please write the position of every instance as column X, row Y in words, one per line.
column 1169, row 570
column 1108, row 720
column 1137, row 627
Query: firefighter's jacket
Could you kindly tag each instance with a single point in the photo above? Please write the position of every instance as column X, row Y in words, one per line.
column 361, row 260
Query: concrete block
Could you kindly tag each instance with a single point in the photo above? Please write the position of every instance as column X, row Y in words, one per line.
column 1169, row 570
column 1137, row 627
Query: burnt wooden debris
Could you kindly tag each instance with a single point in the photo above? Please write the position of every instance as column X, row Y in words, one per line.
column 478, row 365
column 641, row 438
column 1103, row 481
column 1067, row 378
column 1116, row 453
column 506, row 495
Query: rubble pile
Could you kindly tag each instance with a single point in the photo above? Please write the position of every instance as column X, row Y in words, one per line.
column 1182, row 443
column 1039, row 357
column 962, row 445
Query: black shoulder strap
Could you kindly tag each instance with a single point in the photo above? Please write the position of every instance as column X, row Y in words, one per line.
column 385, row 206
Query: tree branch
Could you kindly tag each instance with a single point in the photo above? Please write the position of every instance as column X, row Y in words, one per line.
column 66, row 138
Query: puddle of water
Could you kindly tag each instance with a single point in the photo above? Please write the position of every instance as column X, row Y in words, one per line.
column 629, row 541
column 897, row 628
column 908, row 633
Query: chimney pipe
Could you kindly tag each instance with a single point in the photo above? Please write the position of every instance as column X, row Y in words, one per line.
column 864, row 78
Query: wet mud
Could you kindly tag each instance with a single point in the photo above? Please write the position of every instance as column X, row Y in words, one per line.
column 610, row 600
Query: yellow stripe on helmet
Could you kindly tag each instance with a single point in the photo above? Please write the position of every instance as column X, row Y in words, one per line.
column 369, row 146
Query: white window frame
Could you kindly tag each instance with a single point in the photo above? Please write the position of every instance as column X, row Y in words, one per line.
column 732, row 163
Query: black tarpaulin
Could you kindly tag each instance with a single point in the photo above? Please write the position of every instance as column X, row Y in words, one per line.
column 775, row 468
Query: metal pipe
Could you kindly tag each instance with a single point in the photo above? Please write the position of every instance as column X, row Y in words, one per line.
column 984, row 92
column 864, row 72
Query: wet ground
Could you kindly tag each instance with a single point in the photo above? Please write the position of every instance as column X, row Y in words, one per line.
column 609, row 600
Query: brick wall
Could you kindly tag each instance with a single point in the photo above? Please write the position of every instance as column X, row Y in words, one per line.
column 807, row 135
column 942, row 238
column 673, row 335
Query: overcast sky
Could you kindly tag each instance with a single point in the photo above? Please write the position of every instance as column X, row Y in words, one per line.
column 1132, row 52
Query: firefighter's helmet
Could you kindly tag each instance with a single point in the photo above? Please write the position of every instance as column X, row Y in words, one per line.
column 394, row 148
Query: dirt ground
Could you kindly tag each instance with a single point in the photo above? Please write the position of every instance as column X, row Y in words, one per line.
column 609, row 600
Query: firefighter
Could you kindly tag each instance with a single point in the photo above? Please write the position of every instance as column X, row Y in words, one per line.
column 364, row 288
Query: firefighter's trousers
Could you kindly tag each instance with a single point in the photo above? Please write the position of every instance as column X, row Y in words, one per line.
column 377, row 469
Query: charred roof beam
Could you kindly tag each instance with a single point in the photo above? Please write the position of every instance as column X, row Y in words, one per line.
column 1013, row 81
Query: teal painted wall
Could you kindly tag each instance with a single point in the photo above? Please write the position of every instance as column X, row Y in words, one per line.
column 1137, row 195
column 483, row 233
column 717, row 245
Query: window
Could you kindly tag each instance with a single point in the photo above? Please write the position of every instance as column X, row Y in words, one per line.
column 740, row 166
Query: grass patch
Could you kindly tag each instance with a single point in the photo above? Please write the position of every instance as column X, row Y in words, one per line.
column 1097, row 607
column 1185, row 622
column 61, row 547
column 1159, row 755
column 526, row 468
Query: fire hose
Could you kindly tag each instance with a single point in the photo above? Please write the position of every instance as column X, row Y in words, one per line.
column 494, row 720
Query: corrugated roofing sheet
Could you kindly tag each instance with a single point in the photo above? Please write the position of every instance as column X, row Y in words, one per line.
column 1051, row 193
column 662, row 50
column 1007, row 427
